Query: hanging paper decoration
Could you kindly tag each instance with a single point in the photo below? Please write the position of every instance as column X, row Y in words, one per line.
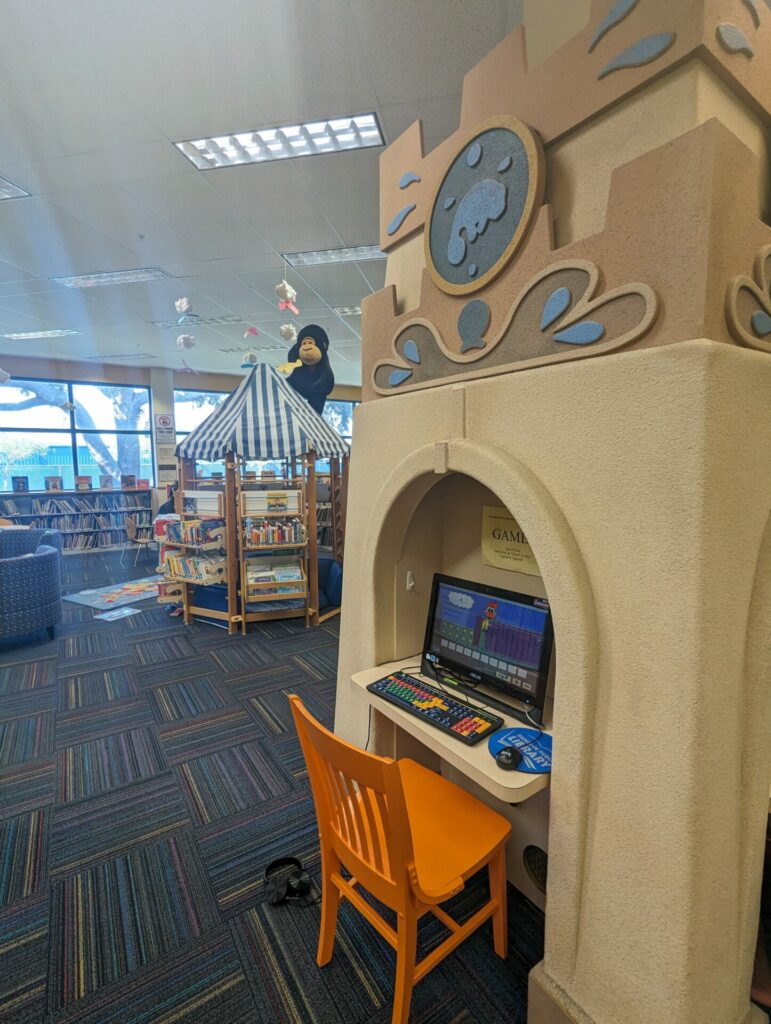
column 286, row 296
column 288, row 333
column 189, row 369
column 249, row 360
column 185, row 341
column 185, row 308
column 251, row 331
column 67, row 407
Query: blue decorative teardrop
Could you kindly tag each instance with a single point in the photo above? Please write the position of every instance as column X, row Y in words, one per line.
column 472, row 269
column 399, row 219
column 449, row 202
column 761, row 323
column 504, row 165
column 398, row 377
column 616, row 14
column 408, row 178
column 644, row 51
column 410, row 351
column 555, row 306
column 581, row 334
column 474, row 154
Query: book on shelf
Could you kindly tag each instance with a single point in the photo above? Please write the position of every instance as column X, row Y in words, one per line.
column 105, row 482
column 9, row 507
column 196, row 532
column 196, row 568
column 128, row 481
column 20, row 484
column 287, row 502
column 143, row 485
column 275, row 576
column 260, row 532
column 83, row 483
column 54, row 483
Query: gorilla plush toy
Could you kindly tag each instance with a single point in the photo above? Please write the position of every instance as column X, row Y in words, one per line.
column 313, row 379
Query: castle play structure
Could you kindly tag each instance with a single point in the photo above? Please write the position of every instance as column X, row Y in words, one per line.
column 576, row 326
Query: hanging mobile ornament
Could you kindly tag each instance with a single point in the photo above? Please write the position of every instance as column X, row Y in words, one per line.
column 286, row 295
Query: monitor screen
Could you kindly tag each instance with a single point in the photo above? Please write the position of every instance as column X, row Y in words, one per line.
column 492, row 636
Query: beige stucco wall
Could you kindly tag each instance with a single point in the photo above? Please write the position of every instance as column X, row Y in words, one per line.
column 643, row 481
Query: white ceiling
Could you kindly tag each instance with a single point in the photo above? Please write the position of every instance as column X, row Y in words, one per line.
column 94, row 92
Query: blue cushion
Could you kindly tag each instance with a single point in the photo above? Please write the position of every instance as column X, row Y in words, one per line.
column 334, row 585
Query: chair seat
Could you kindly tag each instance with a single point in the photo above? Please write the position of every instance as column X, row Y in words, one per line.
column 452, row 832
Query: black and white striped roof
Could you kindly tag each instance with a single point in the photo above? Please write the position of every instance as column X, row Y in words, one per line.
column 264, row 418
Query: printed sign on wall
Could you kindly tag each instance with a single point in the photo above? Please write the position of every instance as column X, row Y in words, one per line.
column 504, row 544
column 164, row 429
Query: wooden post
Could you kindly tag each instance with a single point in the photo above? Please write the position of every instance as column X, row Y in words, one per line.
column 231, row 538
column 343, row 505
column 186, row 473
column 313, row 542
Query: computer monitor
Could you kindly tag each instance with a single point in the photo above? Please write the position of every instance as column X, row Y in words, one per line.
column 483, row 635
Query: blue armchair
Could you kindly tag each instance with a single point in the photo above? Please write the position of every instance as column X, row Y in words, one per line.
column 330, row 584
column 30, row 582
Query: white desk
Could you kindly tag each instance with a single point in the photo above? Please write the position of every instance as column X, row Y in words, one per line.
column 474, row 762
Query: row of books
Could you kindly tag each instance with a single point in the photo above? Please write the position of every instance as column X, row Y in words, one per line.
column 196, row 568
column 100, row 503
column 274, row 531
column 275, row 577
column 271, row 501
column 196, row 531
column 73, row 523
column 20, row 484
column 97, row 539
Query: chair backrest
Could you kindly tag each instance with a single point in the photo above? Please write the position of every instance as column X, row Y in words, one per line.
column 131, row 527
column 360, row 808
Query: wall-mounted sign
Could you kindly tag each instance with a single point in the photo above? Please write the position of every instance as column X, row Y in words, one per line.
column 504, row 544
column 164, row 428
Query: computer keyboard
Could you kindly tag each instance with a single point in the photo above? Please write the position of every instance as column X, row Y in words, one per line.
column 468, row 724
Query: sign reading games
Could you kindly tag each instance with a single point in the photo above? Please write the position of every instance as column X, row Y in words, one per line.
column 504, row 544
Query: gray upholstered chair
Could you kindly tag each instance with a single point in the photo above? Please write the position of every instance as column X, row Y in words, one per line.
column 30, row 582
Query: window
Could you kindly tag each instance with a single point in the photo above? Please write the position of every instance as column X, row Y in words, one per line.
column 192, row 407
column 69, row 429
column 340, row 416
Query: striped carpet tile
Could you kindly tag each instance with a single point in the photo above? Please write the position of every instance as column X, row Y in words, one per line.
column 26, row 675
column 204, row 985
column 273, row 712
column 24, row 739
column 288, row 753
column 235, row 854
column 187, row 668
column 242, row 660
column 185, row 700
column 102, row 720
column 320, row 663
column 24, row 960
column 168, row 648
column 183, row 740
column 22, row 856
column 299, row 644
column 103, row 764
column 82, row 646
column 257, row 681
column 279, row 948
column 231, row 780
column 96, row 688
column 25, row 786
column 109, row 824
column 117, row 917
column 28, row 702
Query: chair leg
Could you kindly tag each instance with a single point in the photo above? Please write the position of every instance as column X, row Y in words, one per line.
column 123, row 552
column 330, row 902
column 136, row 556
column 497, row 870
column 406, row 954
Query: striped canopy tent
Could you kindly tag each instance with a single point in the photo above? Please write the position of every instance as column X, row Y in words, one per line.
column 264, row 418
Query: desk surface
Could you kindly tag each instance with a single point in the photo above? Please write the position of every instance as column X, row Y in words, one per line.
column 475, row 762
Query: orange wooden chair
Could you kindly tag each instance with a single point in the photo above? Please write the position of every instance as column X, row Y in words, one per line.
column 409, row 837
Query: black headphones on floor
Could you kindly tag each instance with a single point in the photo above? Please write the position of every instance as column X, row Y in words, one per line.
column 286, row 879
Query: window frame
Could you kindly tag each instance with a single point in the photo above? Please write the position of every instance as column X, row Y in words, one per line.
column 180, row 435
column 74, row 430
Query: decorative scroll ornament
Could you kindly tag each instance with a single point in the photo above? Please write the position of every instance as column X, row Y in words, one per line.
column 559, row 315
column 748, row 305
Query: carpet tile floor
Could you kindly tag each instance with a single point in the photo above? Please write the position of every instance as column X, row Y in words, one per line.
column 148, row 773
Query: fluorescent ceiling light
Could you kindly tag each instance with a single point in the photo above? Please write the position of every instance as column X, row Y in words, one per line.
column 261, row 145
column 113, row 277
column 349, row 254
column 347, row 310
column 200, row 321
column 10, row 191
column 39, row 334
column 124, row 357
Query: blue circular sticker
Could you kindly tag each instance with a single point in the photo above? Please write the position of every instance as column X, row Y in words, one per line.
column 534, row 746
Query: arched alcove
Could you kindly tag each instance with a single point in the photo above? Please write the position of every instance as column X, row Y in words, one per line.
column 412, row 529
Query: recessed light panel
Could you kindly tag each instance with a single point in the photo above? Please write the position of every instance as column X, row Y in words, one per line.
column 347, row 310
column 112, row 277
column 25, row 336
column 200, row 321
column 10, row 191
column 262, row 145
column 349, row 254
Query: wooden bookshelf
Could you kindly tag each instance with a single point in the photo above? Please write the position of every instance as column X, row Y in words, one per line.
column 80, row 533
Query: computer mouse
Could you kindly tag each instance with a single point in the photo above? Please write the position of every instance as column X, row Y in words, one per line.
column 508, row 758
